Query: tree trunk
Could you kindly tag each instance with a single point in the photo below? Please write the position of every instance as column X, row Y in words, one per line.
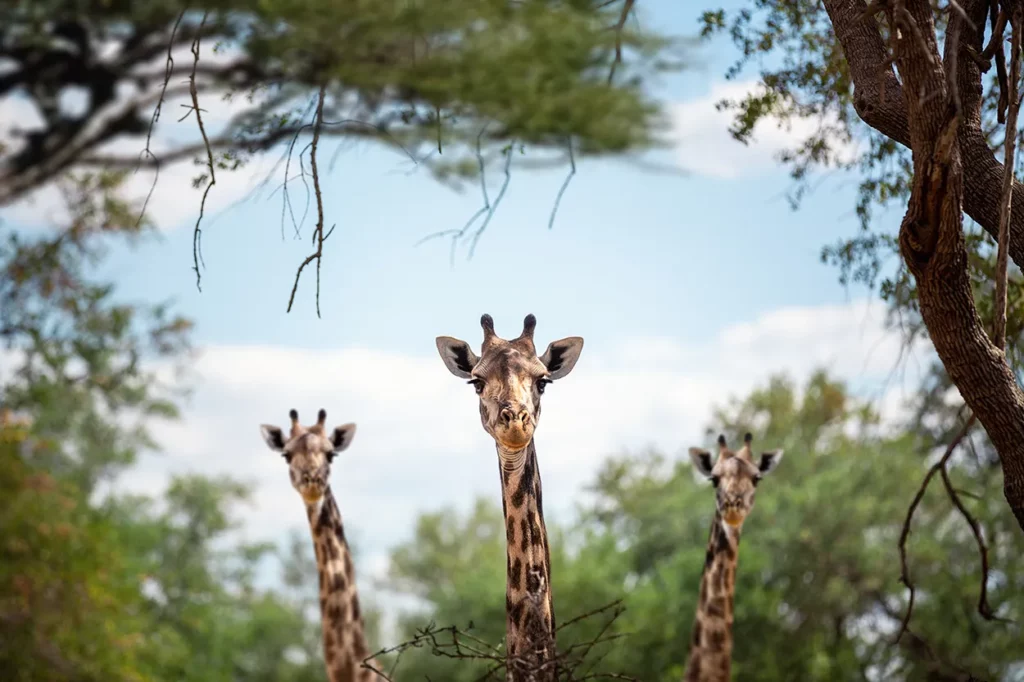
column 932, row 242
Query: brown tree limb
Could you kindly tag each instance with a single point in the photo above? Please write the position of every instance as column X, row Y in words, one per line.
column 880, row 102
column 932, row 244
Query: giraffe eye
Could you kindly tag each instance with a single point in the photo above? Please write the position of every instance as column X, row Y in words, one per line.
column 541, row 383
column 714, row 481
column 478, row 385
column 287, row 456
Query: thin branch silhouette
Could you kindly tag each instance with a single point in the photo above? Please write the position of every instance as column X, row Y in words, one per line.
column 570, row 664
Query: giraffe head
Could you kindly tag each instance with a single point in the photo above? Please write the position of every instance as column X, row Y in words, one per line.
column 735, row 476
column 510, row 378
column 309, row 452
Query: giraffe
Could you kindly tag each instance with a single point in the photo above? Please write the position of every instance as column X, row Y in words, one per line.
column 309, row 452
column 734, row 476
column 510, row 378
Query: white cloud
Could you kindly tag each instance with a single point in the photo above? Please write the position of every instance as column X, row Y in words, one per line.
column 700, row 133
column 420, row 445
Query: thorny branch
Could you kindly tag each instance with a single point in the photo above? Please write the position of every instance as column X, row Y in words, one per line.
column 452, row 642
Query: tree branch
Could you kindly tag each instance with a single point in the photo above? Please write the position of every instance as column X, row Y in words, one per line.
column 318, row 233
column 453, row 642
column 880, row 102
column 197, row 231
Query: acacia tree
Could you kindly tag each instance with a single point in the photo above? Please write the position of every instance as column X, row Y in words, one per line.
column 450, row 83
column 873, row 73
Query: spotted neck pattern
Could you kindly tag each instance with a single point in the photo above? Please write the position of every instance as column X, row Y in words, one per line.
column 345, row 646
column 711, row 640
column 530, row 614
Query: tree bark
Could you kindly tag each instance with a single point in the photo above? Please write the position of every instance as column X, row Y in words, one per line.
column 880, row 102
column 931, row 234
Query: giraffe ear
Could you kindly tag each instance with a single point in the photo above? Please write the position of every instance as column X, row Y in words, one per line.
column 342, row 437
column 769, row 460
column 702, row 461
column 561, row 356
column 458, row 357
column 273, row 437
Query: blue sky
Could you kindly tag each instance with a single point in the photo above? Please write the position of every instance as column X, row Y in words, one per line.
column 628, row 246
column 688, row 289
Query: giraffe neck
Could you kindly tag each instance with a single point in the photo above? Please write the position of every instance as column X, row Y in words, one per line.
column 530, row 614
column 344, row 638
column 711, row 641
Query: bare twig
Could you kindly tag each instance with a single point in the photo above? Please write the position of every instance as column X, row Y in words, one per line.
column 197, row 255
column 497, row 200
column 457, row 643
column 1010, row 144
column 999, row 19
column 565, row 185
column 627, row 7
column 905, row 533
column 983, row 607
column 318, row 234
column 487, row 209
column 148, row 152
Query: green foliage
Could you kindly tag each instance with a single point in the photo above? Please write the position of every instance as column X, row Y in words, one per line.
column 817, row 594
column 68, row 607
column 437, row 75
column 75, row 354
column 113, row 587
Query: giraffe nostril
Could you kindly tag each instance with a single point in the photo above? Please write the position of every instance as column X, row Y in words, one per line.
column 507, row 415
column 524, row 416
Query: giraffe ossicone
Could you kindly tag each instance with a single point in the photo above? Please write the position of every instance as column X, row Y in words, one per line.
column 309, row 452
column 509, row 378
column 734, row 477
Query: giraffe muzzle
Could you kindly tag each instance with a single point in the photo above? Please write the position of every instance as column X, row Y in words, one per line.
column 510, row 417
column 311, row 487
column 733, row 516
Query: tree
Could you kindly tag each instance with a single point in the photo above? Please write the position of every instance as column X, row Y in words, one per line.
column 817, row 595
column 873, row 72
column 96, row 584
column 451, row 83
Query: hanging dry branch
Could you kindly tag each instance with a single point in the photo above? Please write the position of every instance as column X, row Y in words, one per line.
column 197, row 254
column 318, row 233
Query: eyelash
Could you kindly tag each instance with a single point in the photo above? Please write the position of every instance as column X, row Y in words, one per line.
column 479, row 385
